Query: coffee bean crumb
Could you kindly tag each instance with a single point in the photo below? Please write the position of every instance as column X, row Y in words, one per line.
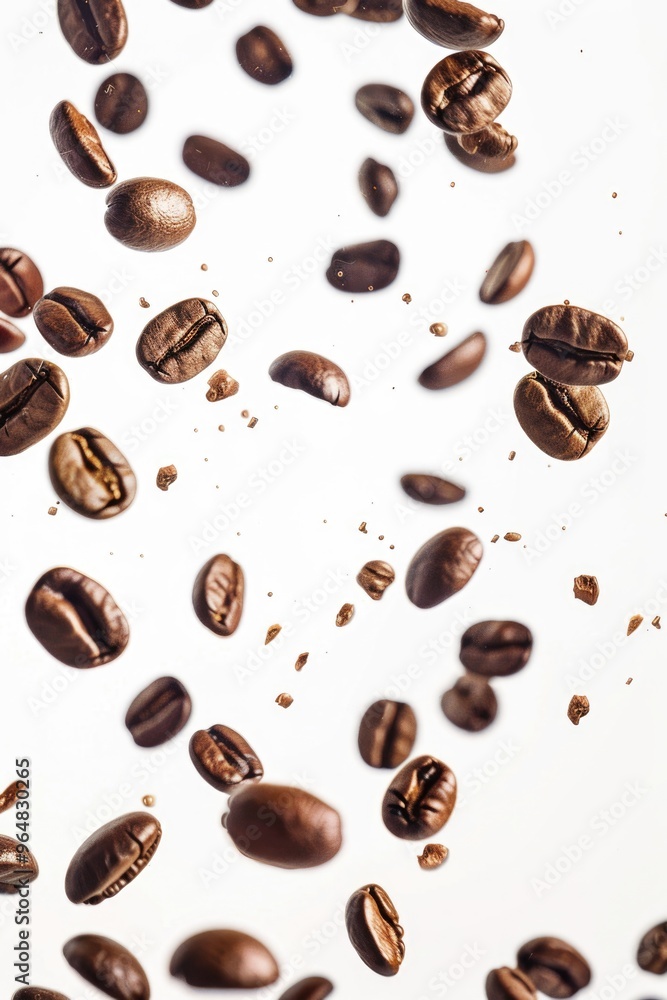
column 245, row 414
column 629, row 680
column 579, row 707
column 196, row 430
column 345, row 615
column 215, row 292
column 629, row 356
column 656, row 622
column 166, row 475
column 495, row 538
column 374, row 578
column 452, row 184
column 567, row 302
column 512, row 536
column 634, row 623
column 221, row 427
column 438, row 329
column 407, row 298
column 392, row 546
column 143, row 303
column 222, row 386
column 512, row 456
column 362, row 528
column 284, row 700
column 480, row 510
column 148, row 800
column 586, row 589
column 380, row 538
column 204, row 267
column 302, row 659
column 516, row 347
column 52, row 511
column 614, row 195
column 272, row 632
column 270, row 260
column 432, row 856
column 253, row 422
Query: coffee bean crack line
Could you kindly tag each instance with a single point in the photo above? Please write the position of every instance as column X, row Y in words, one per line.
column 75, row 310
column 39, row 377
column 564, row 350
column 196, row 330
column 7, row 270
column 104, row 474
column 91, row 23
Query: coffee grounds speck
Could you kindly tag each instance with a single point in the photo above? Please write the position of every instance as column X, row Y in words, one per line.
column 634, row 623
column 284, row 700
column 656, row 622
column 432, row 856
column 579, row 707
column 272, row 632
column 302, row 659
column 345, row 615
column 52, row 510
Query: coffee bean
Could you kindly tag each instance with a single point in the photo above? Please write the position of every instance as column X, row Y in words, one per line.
column 385, row 106
column 509, row 984
column 554, row 967
column 378, row 186
column 420, row 799
column 493, row 142
column 76, row 619
column 381, row 11
column 471, row 704
column 311, row 988
column 494, row 163
column 193, row 4
column 215, row 162
column 432, row 856
column 107, row 965
column 158, row 712
column 374, row 577
column 496, row 648
column 217, row 595
column 16, row 865
column 465, row 92
column 182, row 341
column 263, row 56
column 34, row 396
column 73, row 322
column 37, row 993
column 282, row 826
column 224, row 959
column 21, row 283
column 149, row 214
column 223, row 758
column 80, row 147
column 453, row 24
column 121, row 103
column 313, row 374
column 387, row 733
column 431, row 489
column 90, row 474
column 10, row 796
column 364, row 267
column 652, row 951
column 374, row 931
column 95, row 29
column 442, row 566
column 323, row 8
column 565, row 422
column 574, row 346
column 11, row 338
column 112, row 857
column 509, row 274
column 457, row 365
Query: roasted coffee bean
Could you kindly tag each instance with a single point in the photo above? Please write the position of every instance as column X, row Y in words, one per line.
column 73, row 322
column 509, row 984
column 37, row 993
column 16, row 865
column 574, row 346
column 224, row 959
column 378, row 186
column 364, row 267
column 453, row 24
column 149, row 214
column 496, row 648
column 158, row 712
column 263, row 56
column 471, row 704
column 381, row 11
column 652, row 951
column 387, row 733
column 182, row 341
column 311, row 988
column 215, row 162
column 493, row 142
column 509, row 274
column 21, row 283
column 323, row 8
column 420, row 799
column 431, row 489
column 95, row 29
column 80, row 147
column 554, row 967
column 10, row 796
column 34, row 396
column 193, row 4
column 486, row 163
column 457, row 365
column 385, row 106
column 313, row 374
column 565, row 422
column 112, row 857
column 121, row 103
column 90, row 474
column 282, row 826
column 223, row 758
column 442, row 566
column 107, row 965
column 374, row 931
column 465, row 92
column 76, row 619
column 374, row 577
column 217, row 595
column 11, row 338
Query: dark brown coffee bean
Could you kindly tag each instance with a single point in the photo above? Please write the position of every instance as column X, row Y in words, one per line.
column 112, row 857
column 496, row 648
column 224, row 959
column 21, row 283
column 73, row 322
column 453, row 24
column 80, row 147
column 158, row 712
column 121, row 103
column 457, row 365
column 509, row 274
column 652, row 951
column 282, row 826
column 323, row 8
column 11, row 338
column 387, row 733
column 214, row 161
column 34, row 396
column 374, row 577
column 381, row 11
column 574, row 346
column 107, row 965
column 182, row 341
column 485, row 163
column 217, row 595
column 95, row 29
column 37, row 993
column 442, row 566
column 565, row 422
column 16, row 865
column 311, row 988
column 385, row 106
column 193, row 4
column 465, row 92
column 493, row 142
column 76, row 619
column 223, row 758
column 420, row 799
column 378, row 186
column 364, row 267
column 149, row 214
column 263, row 56
column 554, row 967
column 313, row 374
column 509, row 984
column 471, row 704
column 431, row 489
column 90, row 474
column 374, row 931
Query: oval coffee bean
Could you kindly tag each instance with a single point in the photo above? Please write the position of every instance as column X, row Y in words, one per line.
column 96, row 30
column 493, row 142
column 311, row 988
column 37, row 993
column 112, row 857
column 652, row 951
column 442, row 566
column 11, row 338
column 73, row 322
column 387, row 733
column 223, row 758
column 457, row 365
column 420, row 799
column 509, row 274
column 465, row 92
column 322, row 8
column 76, row 619
column 496, row 648
column 378, row 186
column 364, row 267
column 34, row 396
column 224, row 959
column 313, row 374
column 80, row 147
column 16, row 865
column 374, row 931
column 554, row 967
column 565, row 422
column 471, row 704
column 90, row 474
column 431, row 489
column 193, row 4
column 374, row 577
column 121, row 103
column 574, row 346
column 21, row 283
column 215, row 162
column 107, row 965
column 217, row 595
column 158, row 712
column 149, row 214
column 182, row 341
column 385, row 106
column 380, row 11
column 453, row 24
column 263, row 56
column 509, row 984
column 282, row 826
column 484, row 162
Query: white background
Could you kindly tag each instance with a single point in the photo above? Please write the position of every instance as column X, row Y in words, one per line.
column 507, row 878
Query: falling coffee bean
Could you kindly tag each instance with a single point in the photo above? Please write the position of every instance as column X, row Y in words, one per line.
column 457, row 365
column 380, row 11
column 158, row 712
column 80, row 147
column 321, row 8
column 496, row 648
column 442, row 566
column 11, row 338
column 509, row 984
column 107, row 965
column 652, row 951
column 223, row 758
column 10, row 796
column 387, row 733
column 193, row 4
column 378, row 186
column 374, row 577
column 217, row 595
column 311, row 988
column 313, row 374
column 364, row 267
column 149, row 214
column 73, row 322
column 385, row 106
column 121, row 103
column 465, row 92
column 21, row 283
column 214, row 161
column 565, row 422
column 454, row 24
column 420, row 799
column 509, row 274
column 112, row 857
column 554, row 967
column 90, row 474
column 471, row 704
column 495, row 162
column 17, row 865
column 96, row 30
column 263, row 56
column 181, row 341
column 34, row 396
column 224, row 959
column 574, row 346
column 374, row 931
column 37, row 993
column 493, row 142
column 431, row 489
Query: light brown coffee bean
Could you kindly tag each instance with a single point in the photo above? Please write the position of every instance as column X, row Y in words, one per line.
column 509, row 274
column 80, row 147
column 457, row 365
column 465, row 92
column 313, row 374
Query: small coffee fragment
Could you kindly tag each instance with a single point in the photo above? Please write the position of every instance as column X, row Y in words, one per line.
column 148, row 801
column 440, row 330
column 495, row 538
column 634, row 623
column 245, row 414
column 272, row 632
column 362, row 528
column 253, row 422
column 166, row 475
column 345, row 615
column 52, row 511
column 144, row 303
column 586, row 589
column 512, row 536
column 374, row 577
column 516, row 347
column 511, row 456
column 629, row 680
column 222, row 385
column 301, row 661
column 284, row 700
column 432, row 856
column 656, row 622
column 579, row 707
column 629, row 356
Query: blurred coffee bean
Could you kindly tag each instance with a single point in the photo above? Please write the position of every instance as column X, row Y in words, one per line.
column 385, row 106
column 263, row 56
column 378, row 186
